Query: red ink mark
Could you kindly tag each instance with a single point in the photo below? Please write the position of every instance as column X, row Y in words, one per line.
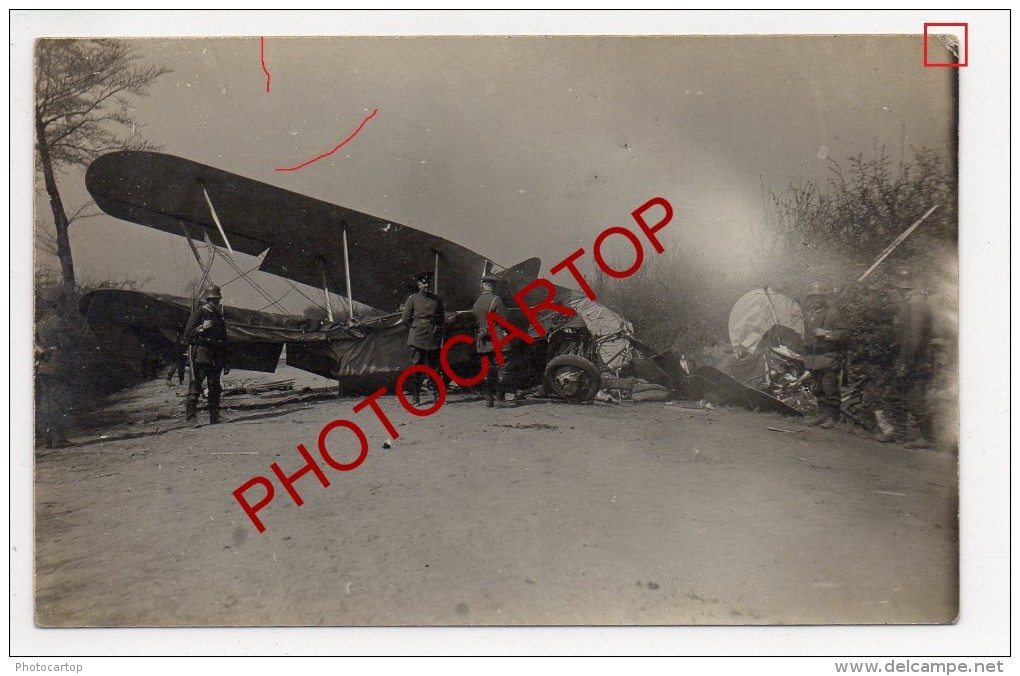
column 342, row 144
column 262, row 48
column 966, row 47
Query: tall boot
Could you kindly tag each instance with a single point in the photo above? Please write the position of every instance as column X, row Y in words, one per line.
column 815, row 420
column 416, row 389
column 501, row 401
column 214, row 405
column 831, row 417
column 915, row 433
column 215, row 392
column 190, row 408
column 886, row 431
column 490, row 396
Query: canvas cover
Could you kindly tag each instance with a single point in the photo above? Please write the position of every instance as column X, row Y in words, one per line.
column 761, row 313
column 367, row 354
column 612, row 332
column 372, row 354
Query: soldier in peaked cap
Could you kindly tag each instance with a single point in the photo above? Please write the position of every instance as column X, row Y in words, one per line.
column 206, row 335
column 489, row 301
column 424, row 317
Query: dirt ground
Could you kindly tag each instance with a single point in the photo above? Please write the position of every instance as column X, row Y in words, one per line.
column 550, row 513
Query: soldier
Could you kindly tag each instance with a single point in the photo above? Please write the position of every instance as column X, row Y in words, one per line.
column 823, row 336
column 495, row 394
column 424, row 316
column 180, row 361
column 206, row 334
column 177, row 366
column 912, row 372
column 52, row 373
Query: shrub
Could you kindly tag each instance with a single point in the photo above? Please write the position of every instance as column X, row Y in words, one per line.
column 830, row 236
column 92, row 370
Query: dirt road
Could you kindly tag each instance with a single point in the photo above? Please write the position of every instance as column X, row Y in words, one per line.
column 546, row 514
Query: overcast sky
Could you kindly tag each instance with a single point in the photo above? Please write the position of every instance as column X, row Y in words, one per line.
column 516, row 147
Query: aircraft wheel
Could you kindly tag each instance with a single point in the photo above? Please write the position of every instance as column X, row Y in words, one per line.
column 572, row 378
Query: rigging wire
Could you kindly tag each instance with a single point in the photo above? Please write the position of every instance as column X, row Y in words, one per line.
column 253, row 283
column 310, row 300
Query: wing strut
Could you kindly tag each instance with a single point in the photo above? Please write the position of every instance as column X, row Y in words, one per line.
column 435, row 276
column 325, row 290
column 191, row 244
column 216, row 218
column 347, row 278
column 206, row 267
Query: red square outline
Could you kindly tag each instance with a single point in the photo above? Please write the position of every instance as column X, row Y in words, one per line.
column 946, row 65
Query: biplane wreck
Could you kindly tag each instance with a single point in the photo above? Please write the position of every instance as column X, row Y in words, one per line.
column 366, row 259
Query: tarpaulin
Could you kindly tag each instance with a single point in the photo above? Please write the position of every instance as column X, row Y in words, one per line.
column 764, row 312
column 612, row 332
column 374, row 352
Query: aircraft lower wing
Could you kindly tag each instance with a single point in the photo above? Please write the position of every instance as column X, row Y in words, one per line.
column 157, row 320
column 362, row 357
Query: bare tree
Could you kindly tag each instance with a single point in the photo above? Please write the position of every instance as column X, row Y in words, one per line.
column 81, row 103
column 46, row 238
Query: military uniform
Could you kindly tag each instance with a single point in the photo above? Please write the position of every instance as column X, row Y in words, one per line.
column 823, row 356
column 913, row 370
column 424, row 317
column 179, row 363
column 52, row 373
column 206, row 334
column 486, row 303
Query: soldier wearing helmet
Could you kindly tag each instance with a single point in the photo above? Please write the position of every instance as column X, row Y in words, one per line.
column 913, row 368
column 823, row 354
column 206, row 335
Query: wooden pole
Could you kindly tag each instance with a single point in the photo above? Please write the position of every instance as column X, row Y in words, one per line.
column 896, row 243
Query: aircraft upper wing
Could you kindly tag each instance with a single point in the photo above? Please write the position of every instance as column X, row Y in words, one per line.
column 304, row 235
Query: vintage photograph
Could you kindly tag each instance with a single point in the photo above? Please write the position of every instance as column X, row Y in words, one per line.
column 496, row 331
